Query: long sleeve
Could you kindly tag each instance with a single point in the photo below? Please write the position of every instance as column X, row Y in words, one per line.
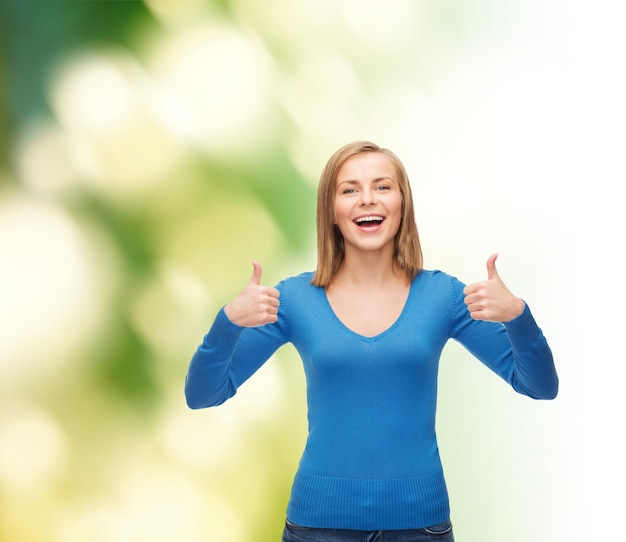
column 362, row 391
column 535, row 373
column 227, row 357
column 516, row 350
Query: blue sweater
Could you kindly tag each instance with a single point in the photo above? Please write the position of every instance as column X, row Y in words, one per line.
column 371, row 460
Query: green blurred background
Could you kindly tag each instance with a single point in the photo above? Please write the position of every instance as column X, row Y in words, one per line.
column 150, row 150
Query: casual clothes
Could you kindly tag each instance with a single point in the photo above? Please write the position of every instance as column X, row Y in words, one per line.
column 371, row 461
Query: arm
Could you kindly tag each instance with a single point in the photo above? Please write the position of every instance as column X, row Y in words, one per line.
column 499, row 329
column 227, row 357
column 243, row 336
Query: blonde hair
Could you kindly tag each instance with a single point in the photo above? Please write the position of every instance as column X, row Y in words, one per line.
column 330, row 244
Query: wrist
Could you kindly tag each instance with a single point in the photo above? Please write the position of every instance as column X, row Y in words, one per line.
column 228, row 311
column 517, row 308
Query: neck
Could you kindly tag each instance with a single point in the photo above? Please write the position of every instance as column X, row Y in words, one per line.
column 368, row 269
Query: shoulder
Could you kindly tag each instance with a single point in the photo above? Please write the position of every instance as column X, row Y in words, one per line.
column 428, row 274
column 297, row 284
column 434, row 276
column 303, row 280
column 435, row 281
column 299, row 297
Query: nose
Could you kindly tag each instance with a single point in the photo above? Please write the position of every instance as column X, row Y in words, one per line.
column 368, row 197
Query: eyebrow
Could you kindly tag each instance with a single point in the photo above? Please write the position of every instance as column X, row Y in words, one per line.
column 376, row 180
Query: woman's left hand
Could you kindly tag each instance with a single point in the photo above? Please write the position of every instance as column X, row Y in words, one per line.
column 490, row 300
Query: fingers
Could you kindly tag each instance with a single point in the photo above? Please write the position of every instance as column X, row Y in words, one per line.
column 478, row 296
column 270, row 300
column 476, row 301
column 256, row 273
column 263, row 300
column 267, row 298
column 490, row 299
column 266, row 305
column 492, row 272
column 268, row 295
column 256, row 305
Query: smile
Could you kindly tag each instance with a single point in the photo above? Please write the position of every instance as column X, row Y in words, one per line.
column 371, row 220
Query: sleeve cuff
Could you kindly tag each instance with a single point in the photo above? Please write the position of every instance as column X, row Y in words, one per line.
column 223, row 334
column 523, row 330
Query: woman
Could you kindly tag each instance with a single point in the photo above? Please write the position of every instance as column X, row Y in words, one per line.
column 370, row 325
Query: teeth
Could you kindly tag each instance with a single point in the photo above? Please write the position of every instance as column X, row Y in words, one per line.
column 369, row 219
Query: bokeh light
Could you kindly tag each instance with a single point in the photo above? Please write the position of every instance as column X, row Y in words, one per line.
column 149, row 150
column 50, row 280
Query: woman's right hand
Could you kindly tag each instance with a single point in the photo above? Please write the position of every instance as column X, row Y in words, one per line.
column 256, row 305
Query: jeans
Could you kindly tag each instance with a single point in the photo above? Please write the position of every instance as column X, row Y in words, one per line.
column 441, row 532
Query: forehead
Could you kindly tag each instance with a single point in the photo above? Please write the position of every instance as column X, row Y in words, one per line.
column 366, row 166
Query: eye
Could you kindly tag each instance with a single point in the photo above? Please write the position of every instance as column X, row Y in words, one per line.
column 348, row 191
column 383, row 187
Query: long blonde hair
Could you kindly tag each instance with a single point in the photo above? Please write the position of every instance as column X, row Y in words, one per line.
column 330, row 244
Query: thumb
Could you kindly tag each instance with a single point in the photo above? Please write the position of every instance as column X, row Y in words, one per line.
column 492, row 272
column 256, row 273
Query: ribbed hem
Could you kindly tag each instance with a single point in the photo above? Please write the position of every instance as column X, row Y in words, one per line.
column 386, row 504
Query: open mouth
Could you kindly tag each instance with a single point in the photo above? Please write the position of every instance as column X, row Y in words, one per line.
column 369, row 221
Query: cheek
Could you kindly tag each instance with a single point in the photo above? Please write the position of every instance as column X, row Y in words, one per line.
column 399, row 212
column 399, row 207
column 339, row 212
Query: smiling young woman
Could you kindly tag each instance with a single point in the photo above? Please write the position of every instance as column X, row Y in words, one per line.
column 369, row 291
column 330, row 241
column 370, row 325
column 368, row 204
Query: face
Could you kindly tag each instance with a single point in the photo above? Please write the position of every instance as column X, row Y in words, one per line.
column 368, row 202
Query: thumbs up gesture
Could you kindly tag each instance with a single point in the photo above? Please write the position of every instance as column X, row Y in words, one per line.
column 491, row 300
column 256, row 305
